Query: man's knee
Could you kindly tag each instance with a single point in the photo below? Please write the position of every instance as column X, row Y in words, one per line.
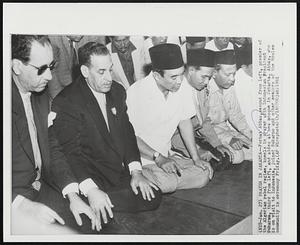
column 200, row 179
column 166, row 182
column 203, row 179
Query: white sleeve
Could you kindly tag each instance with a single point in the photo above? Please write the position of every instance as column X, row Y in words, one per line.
column 86, row 185
column 188, row 107
column 17, row 201
column 133, row 110
column 72, row 187
column 135, row 165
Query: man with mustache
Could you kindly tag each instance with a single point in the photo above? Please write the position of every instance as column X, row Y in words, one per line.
column 98, row 140
column 224, row 108
column 43, row 186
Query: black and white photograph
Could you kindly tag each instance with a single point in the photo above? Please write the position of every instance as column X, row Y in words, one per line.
column 116, row 132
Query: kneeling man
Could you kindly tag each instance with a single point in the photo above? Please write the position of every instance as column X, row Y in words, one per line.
column 157, row 105
column 224, row 109
column 96, row 136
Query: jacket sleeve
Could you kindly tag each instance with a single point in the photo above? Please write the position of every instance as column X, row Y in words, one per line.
column 67, row 127
column 60, row 171
column 131, row 149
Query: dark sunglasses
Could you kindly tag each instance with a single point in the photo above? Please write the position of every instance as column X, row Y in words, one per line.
column 43, row 68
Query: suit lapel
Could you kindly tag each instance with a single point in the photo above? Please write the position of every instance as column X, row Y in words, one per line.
column 19, row 118
column 95, row 112
column 119, row 69
column 136, row 64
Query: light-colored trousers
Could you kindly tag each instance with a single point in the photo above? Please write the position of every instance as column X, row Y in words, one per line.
column 191, row 176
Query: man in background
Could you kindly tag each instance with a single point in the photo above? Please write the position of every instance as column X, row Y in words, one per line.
column 128, row 59
column 65, row 49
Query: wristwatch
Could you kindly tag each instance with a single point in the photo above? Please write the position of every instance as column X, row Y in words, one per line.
column 155, row 155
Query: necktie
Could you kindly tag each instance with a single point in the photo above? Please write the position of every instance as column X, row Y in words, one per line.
column 34, row 141
column 74, row 59
column 73, row 53
column 102, row 103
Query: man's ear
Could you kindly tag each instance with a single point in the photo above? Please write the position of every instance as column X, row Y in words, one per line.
column 214, row 73
column 16, row 66
column 157, row 76
column 84, row 71
column 244, row 67
column 191, row 70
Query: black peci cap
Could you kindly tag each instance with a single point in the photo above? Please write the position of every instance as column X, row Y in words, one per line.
column 225, row 57
column 166, row 56
column 201, row 57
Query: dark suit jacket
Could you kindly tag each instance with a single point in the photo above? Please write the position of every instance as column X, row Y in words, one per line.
column 91, row 149
column 55, row 170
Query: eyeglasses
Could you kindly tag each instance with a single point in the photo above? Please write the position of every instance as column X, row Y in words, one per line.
column 43, row 68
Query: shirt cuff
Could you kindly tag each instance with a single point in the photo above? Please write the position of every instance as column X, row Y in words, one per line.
column 73, row 187
column 134, row 166
column 86, row 185
column 16, row 203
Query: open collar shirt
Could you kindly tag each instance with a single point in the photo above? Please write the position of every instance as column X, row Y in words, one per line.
column 154, row 117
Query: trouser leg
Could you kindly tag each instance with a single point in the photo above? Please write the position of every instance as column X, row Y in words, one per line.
column 124, row 200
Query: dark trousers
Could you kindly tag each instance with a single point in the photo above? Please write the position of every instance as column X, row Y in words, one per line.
column 122, row 197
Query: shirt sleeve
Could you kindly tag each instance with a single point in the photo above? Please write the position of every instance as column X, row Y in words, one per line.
column 17, row 201
column 188, row 107
column 135, row 165
column 133, row 110
column 72, row 187
column 86, row 185
column 236, row 117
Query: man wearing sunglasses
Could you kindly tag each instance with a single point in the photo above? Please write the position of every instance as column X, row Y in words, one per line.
column 43, row 187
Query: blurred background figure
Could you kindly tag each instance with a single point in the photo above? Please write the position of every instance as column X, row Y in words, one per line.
column 128, row 59
column 219, row 43
column 195, row 42
column 240, row 44
column 65, row 49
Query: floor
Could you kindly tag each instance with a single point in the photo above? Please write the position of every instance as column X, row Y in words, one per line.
column 222, row 204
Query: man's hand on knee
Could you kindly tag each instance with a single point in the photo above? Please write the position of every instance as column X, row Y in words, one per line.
column 205, row 166
column 101, row 205
column 77, row 207
column 139, row 180
column 168, row 165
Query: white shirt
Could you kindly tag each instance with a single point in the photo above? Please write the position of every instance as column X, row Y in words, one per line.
column 212, row 46
column 245, row 87
column 224, row 107
column 154, row 117
column 88, row 183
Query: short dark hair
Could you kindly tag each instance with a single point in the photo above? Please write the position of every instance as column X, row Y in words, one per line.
column 21, row 45
column 91, row 48
column 217, row 67
column 159, row 71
